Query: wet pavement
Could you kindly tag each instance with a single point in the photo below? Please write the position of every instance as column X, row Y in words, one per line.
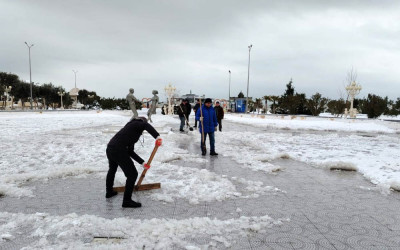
column 327, row 209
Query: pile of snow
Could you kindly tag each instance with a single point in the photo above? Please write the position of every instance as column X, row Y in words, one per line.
column 70, row 231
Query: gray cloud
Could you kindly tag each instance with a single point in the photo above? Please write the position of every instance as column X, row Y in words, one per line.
column 116, row 45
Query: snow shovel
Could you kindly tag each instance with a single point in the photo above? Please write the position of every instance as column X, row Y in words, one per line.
column 139, row 186
column 187, row 122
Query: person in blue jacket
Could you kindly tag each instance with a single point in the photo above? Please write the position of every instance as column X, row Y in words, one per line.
column 208, row 120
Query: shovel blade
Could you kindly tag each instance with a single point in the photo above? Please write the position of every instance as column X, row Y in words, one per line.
column 148, row 186
column 142, row 187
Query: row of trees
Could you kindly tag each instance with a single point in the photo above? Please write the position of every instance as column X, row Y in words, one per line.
column 292, row 102
column 21, row 90
column 47, row 94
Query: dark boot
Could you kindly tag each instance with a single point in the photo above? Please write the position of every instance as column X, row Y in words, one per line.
column 213, row 153
column 131, row 203
column 111, row 194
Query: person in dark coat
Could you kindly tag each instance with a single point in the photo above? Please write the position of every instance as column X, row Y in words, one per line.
column 208, row 120
column 119, row 151
column 220, row 115
column 195, row 108
column 189, row 111
column 184, row 111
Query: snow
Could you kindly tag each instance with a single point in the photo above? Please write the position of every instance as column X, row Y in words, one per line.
column 64, row 144
column 311, row 123
column 71, row 230
column 367, row 146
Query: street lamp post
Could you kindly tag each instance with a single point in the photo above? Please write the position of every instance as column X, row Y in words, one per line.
column 75, row 71
column 30, row 70
column 229, row 99
column 248, row 79
column 61, row 94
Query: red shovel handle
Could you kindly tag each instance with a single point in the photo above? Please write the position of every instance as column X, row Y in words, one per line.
column 148, row 163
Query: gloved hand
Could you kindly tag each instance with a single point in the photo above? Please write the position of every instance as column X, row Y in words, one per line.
column 158, row 141
column 201, row 119
column 145, row 165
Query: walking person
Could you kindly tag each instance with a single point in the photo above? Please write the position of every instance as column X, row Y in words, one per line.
column 195, row 108
column 188, row 111
column 208, row 122
column 220, row 115
column 184, row 111
column 119, row 151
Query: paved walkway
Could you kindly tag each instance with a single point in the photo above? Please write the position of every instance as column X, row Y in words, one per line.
column 327, row 209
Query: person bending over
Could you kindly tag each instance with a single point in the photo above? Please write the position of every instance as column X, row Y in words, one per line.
column 119, row 151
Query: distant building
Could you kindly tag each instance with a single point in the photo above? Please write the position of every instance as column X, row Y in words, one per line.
column 191, row 97
column 238, row 105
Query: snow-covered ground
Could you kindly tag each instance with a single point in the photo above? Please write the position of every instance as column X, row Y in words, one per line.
column 37, row 147
column 42, row 146
column 368, row 146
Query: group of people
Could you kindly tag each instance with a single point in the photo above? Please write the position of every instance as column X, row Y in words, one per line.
column 120, row 149
column 209, row 118
column 184, row 110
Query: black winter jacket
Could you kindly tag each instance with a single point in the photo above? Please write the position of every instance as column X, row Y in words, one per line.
column 184, row 110
column 196, row 107
column 126, row 138
column 219, row 111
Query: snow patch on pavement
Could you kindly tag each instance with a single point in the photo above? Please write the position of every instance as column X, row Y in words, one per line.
column 75, row 232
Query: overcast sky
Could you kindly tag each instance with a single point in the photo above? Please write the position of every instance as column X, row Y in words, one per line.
column 117, row 45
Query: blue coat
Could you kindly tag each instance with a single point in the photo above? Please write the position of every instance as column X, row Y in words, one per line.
column 209, row 119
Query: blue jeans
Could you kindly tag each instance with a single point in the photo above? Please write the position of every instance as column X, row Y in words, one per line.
column 212, row 142
column 182, row 122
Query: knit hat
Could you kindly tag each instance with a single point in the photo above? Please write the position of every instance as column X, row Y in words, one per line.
column 208, row 100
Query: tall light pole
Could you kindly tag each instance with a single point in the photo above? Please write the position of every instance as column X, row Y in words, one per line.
column 30, row 70
column 75, row 71
column 248, row 79
column 229, row 99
